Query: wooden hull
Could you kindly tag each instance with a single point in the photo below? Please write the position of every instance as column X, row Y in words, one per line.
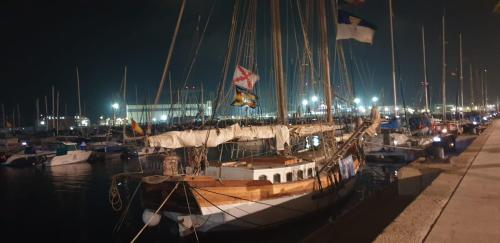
column 265, row 213
column 242, row 204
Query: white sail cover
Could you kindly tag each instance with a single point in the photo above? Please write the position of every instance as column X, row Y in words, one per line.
column 198, row 138
column 307, row 130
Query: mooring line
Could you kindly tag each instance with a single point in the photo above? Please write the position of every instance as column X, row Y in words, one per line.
column 156, row 212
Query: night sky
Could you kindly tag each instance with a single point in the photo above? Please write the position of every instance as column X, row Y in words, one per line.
column 42, row 41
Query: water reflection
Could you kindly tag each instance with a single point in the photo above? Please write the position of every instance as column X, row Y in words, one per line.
column 72, row 177
column 70, row 204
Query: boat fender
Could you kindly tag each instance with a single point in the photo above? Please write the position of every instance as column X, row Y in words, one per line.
column 148, row 215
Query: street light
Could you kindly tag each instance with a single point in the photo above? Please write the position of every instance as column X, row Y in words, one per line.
column 304, row 102
column 314, row 98
column 374, row 99
column 357, row 101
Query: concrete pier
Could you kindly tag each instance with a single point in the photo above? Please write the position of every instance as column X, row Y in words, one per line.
column 461, row 204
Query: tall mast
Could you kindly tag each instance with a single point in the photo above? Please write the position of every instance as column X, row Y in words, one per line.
column 202, row 106
column 14, row 117
column 3, row 116
column 78, row 89
column 443, row 84
column 53, row 108
column 169, row 59
column 486, row 88
column 46, row 107
column 37, row 107
column 124, row 101
column 471, row 79
column 482, row 89
column 461, row 74
column 325, row 60
column 278, row 64
column 57, row 114
column 18, row 116
column 426, row 82
column 394, row 92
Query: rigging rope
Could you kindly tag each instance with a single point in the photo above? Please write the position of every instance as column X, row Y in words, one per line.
column 189, row 210
column 156, row 212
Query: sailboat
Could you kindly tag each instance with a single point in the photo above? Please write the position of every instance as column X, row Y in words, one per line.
column 255, row 191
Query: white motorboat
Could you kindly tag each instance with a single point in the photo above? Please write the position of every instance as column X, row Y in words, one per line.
column 68, row 153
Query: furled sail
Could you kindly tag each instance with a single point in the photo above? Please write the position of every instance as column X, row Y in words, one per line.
column 198, row 138
column 312, row 129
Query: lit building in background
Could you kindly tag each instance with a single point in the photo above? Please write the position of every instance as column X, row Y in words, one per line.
column 163, row 113
column 63, row 123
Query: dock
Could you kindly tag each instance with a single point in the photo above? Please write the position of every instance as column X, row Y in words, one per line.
column 461, row 205
column 457, row 200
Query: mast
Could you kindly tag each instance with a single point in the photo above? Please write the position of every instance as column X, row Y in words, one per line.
column 37, row 107
column 18, row 116
column 394, row 92
column 57, row 114
column 471, row 79
column 326, row 62
column 202, row 106
column 14, row 118
column 53, row 108
column 78, row 90
column 170, row 88
column 3, row 116
column 486, row 88
column 169, row 59
column 461, row 75
column 46, row 108
column 124, row 101
column 426, row 82
column 278, row 64
column 482, row 89
column 443, row 82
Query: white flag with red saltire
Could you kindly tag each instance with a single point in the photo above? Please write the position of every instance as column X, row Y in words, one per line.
column 244, row 78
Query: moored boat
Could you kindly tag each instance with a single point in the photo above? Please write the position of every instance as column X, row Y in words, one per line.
column 68, row 153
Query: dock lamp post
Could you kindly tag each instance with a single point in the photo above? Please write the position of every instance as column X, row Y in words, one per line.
column 115, row 107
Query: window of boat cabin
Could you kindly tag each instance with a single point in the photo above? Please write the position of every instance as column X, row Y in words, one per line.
column 289, row 176
column 276, row 178
column 263, row 178
column 310, row 172
column 300, row 175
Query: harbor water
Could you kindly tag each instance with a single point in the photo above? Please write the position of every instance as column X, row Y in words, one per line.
column 70, row 204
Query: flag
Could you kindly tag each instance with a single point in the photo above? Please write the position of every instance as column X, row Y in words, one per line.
column 137, row 129
column 244, row 78
column 244, row 98
column 352, row 27
column 356, row 3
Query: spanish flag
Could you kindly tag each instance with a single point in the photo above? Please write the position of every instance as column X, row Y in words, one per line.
column 137, row 129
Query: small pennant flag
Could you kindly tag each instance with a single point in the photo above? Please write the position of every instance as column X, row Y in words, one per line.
column 244, row 78
column 353, row 27
column 244, row 98
column 137, row 129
